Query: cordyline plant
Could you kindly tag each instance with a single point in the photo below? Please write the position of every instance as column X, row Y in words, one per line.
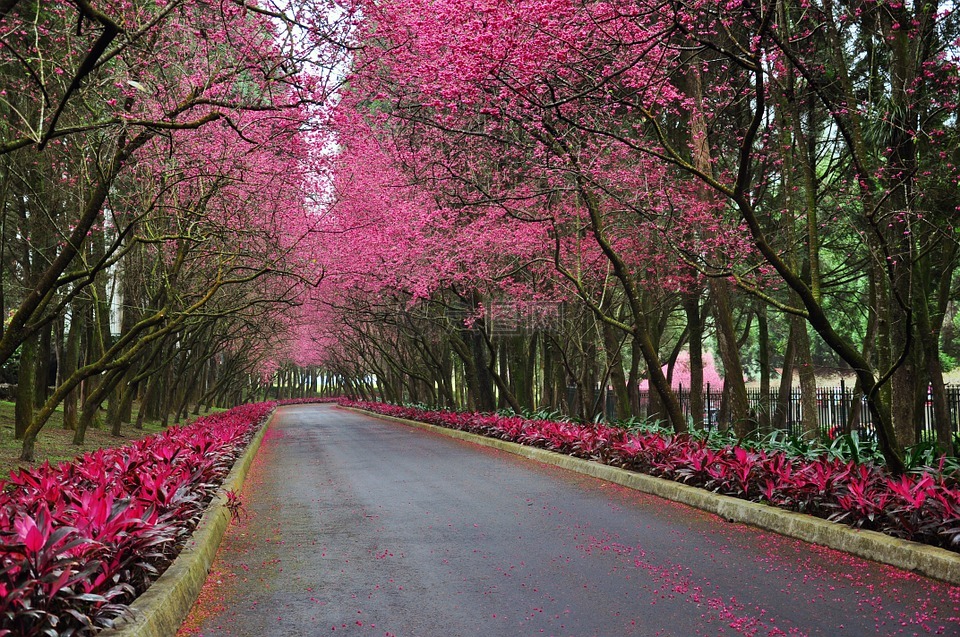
column 80, row 540
column 923, row 507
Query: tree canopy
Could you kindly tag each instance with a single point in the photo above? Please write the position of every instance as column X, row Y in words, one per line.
column 482, row 204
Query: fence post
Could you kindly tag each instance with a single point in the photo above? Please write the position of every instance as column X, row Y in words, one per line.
column 707, row 419
column 684, row 405
column 843, row 406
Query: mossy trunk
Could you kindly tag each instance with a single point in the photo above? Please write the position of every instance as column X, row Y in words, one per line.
column 26, row 386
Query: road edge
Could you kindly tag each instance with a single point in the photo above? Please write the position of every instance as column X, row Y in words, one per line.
column 161, row 609
column 930, row 561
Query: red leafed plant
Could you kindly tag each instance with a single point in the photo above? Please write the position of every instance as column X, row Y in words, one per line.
column 80, row 540
column 234, row 504
column 922, row 507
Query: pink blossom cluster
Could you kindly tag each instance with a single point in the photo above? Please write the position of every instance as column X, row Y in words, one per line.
column 81, row 539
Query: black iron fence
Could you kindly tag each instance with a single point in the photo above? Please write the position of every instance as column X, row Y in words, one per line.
column 835, row 407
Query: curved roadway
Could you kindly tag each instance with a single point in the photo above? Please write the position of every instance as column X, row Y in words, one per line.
column 360, row 526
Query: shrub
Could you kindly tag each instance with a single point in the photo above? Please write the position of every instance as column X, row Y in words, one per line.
column 80, row 540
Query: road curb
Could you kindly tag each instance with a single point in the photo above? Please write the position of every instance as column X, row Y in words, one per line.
column 926, row 560
column 161, row 609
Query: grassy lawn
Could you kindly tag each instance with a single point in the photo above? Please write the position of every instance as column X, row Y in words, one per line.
column 55, row 443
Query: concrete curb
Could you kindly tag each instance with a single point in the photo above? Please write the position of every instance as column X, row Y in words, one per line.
column 926, row 560
column 160, row 610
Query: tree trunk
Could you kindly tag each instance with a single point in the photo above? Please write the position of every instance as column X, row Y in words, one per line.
column 549, row 396
column 484, row 400
column 691, row 306
column 785, row 390
column 929, row 327
column 26, row 385
column 633, row 379
column 617, row 379
column 43, row 356
column 763, row 344
column 739, row 405
column 71, row 361
column 809, row 418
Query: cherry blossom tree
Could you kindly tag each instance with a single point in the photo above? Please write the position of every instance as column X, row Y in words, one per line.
column 771, row 146
column 190, row 173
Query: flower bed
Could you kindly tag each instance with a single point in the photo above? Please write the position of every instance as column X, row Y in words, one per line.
column 80, row 540
column 923, row 507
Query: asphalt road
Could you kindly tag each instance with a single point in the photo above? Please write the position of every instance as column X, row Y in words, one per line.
column 359, row 526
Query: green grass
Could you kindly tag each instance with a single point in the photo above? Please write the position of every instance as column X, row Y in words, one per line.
column 55, row 444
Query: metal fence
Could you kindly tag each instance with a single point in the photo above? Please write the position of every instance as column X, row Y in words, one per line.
column 834, row 407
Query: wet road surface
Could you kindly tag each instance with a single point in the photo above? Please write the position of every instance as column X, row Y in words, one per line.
column 358, row 526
